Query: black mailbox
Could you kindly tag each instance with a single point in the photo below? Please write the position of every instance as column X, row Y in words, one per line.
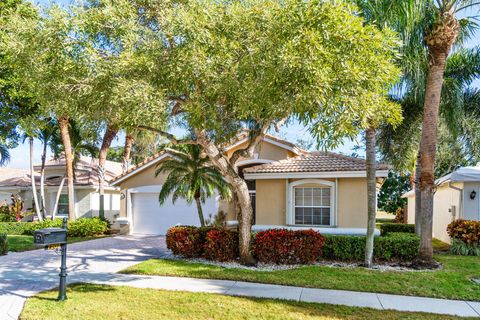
column 49, row 236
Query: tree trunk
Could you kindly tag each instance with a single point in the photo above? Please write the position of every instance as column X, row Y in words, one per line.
column 42, row 180
column 110, row 133
column 418, row 195
column 200, row 211
column 372, row 195
column 439, row 42
column 240, row 190
column 127, row 149
column 32, row 181
column 67, row 145
column 57, row 198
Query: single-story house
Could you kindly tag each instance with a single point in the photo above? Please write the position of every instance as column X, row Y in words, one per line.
column 289, row 187
column 87, row 198
column 457, row 197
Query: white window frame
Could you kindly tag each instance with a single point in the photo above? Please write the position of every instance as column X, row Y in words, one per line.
column 317, row 182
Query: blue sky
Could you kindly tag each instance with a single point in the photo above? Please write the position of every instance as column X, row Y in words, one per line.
column 293, row 132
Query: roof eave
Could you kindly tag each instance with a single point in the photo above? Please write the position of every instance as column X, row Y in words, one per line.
column 302, row 175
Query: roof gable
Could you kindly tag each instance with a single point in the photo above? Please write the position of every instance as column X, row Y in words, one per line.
column 241, row 139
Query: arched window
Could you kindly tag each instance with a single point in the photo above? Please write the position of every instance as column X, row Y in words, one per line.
column 311, row 202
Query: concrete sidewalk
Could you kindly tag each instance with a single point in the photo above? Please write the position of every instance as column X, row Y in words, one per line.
column 339, row 297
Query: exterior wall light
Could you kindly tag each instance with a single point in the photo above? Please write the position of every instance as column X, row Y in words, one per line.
column 473, row 194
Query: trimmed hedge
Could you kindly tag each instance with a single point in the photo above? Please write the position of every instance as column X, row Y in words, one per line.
column 395, row 246
column 17, row 228
column 3, row 244
column 385, row 228
column 221, row 245
column 282, row 246
column 186, row 241
column 83, row 227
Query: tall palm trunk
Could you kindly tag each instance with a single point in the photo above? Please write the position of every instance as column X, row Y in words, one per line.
column 67, row 144
column 32, row 181
column 439, row 42
column 110, row 133
column 127, row 149
column 200, row 211
column 372, row 194
column 42, row 181
column 418, row 195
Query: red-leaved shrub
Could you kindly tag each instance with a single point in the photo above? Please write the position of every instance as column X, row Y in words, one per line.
column 186, row 241
column 467, row 231
column 282, row 246
column 221, row 245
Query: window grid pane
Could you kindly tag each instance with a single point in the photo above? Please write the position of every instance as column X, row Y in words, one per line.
column 312, row 206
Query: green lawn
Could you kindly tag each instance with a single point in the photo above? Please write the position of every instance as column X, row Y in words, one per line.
column 23, row 243
column 452, row 282
column 90, row 301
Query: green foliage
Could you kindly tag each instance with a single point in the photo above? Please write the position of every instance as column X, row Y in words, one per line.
column 83, row 227
column 459, row 247
column 390, row 195
column 17, row 228
column 395, row 246
column 6, row 215
column 386, row 228
column 88, row 227
column 3, row 244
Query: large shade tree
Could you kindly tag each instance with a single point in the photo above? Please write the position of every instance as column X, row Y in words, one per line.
column 214, row 68
column 224, row 66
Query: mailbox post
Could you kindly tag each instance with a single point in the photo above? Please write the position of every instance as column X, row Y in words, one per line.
column 56, row 237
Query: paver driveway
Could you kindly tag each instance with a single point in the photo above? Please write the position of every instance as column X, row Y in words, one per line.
column 27, row 273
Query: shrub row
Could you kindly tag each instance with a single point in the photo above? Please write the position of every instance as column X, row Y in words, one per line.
column 3, row 244
column 282, row 246
column 385, row 228
column 212, row 243
column 395, row 246
column 83, row 227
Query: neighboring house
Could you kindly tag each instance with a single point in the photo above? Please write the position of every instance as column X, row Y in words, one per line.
column 288, row 186
column 17, row 181
column 457, row 197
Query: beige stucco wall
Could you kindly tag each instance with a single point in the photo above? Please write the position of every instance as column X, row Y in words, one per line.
column 445, row 199
column 271, row 202
column 351, row 202
column 265, row 150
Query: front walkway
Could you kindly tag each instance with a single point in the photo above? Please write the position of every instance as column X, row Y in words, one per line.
column 25, row 274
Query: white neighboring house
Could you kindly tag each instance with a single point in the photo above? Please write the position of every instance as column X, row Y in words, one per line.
column 457, row 197
column 86, row 184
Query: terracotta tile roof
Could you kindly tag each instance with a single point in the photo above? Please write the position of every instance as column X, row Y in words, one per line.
column 315, row 162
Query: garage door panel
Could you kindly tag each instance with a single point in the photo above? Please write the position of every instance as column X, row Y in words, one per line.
column 149, row 217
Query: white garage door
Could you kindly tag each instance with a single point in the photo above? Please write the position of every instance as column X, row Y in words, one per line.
column 151, row 218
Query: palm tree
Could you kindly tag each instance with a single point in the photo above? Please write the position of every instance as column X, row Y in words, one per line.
column 190, row 176
column 428, row 30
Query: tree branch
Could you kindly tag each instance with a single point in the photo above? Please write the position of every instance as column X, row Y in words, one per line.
column 254, row 141
column 170, row 137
